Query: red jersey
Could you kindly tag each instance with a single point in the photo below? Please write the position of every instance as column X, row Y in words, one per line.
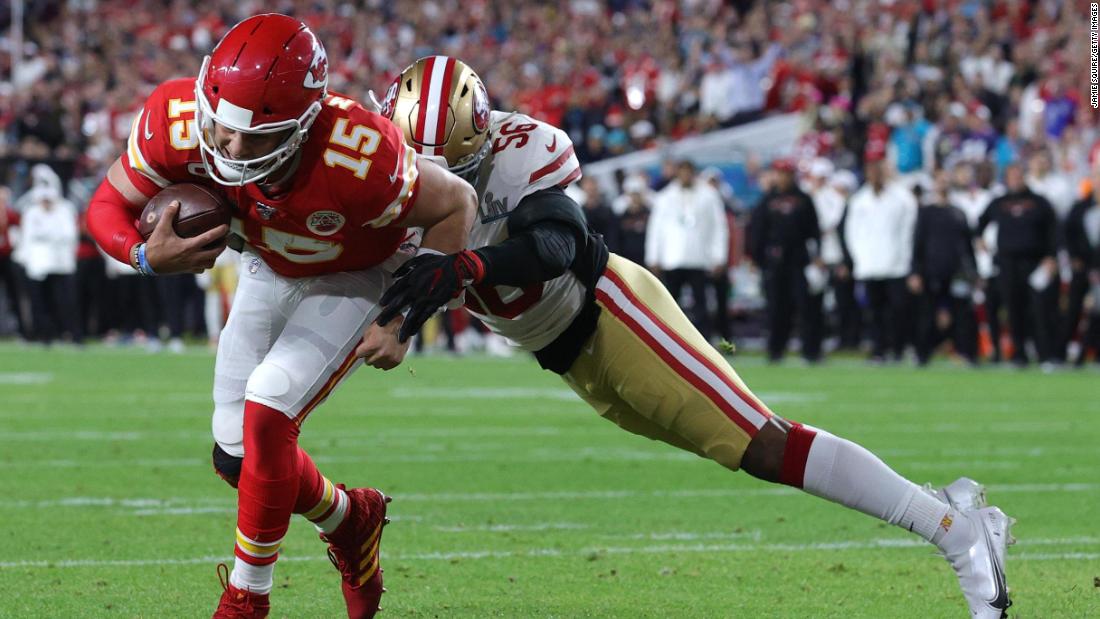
column 356, row 178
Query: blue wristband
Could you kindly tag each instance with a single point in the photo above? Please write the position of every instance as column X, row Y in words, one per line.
column 143, row 264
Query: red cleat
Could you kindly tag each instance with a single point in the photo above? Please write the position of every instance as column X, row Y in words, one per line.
column 353, row 549
column 239, row 603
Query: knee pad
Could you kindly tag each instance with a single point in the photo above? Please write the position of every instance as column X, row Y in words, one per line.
column 226, row 466
column 268, row 383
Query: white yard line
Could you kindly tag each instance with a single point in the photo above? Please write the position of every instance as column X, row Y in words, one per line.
column 25, row 378
column 509, row 528
column 490, row 497
column 874, row 544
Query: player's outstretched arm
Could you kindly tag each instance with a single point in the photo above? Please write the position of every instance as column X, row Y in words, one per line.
column 111, row 214
column 545, row 232
column 445, row 208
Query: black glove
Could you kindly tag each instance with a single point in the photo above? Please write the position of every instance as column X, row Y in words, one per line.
column 427, row 283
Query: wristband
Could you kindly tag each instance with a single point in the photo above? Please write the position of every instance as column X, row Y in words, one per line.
column 142, row 262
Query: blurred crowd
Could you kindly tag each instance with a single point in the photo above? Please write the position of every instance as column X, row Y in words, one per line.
column 937, row 99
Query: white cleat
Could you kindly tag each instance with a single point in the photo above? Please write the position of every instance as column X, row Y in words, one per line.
column 981, row 566
column 964, row 494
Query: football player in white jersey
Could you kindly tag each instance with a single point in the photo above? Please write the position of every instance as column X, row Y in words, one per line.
column 533, row 273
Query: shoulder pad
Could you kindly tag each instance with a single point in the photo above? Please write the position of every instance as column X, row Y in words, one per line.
column 371, row 171
column 163, row 145
column 531, row 154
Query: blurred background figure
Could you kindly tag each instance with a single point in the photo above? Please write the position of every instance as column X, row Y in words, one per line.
column 1082, row 241
column 49, row 238
column 687, row 240
column 943, row 275
column 10, row 271
column 878, row 231
column 784, row 240
column 219, row 285
column 972, row 198
column 1027, row 246
column 598, row 214
column 720, row 280
column 633, row 209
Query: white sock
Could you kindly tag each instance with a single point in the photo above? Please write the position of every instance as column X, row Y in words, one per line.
column 254, row 578
column 843, row 472
column 336, row 518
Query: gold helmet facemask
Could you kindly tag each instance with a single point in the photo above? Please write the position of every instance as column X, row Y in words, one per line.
column 442, row 107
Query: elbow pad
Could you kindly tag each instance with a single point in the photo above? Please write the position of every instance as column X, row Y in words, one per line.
column 550, row 205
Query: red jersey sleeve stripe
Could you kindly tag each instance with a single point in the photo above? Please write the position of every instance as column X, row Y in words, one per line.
column 137, row 158
column 553, row 165
column 574, row 175
column 409, row 175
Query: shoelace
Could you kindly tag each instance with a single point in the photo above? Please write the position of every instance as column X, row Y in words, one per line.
column 241, row 603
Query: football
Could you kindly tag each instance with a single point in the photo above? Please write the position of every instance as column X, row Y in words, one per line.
column 201, row 209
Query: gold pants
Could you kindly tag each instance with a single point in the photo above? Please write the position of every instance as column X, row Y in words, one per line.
column 647, row 369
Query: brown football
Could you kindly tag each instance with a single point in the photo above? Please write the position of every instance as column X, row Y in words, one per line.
column 201, row 209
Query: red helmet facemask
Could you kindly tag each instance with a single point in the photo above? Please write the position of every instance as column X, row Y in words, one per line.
column 269, row 74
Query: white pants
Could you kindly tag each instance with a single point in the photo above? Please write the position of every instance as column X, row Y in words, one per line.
column 289, row 342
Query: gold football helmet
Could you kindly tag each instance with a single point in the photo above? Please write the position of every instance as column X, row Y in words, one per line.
column 442, row 106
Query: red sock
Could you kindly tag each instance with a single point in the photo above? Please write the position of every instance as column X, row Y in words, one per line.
column 319, row 500
column 268, row 485
column 311, row 486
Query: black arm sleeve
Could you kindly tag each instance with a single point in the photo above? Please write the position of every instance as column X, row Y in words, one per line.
column 537, row 254
column 547, row 231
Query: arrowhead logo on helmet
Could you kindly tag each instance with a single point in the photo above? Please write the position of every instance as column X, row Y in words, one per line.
column 317, row 76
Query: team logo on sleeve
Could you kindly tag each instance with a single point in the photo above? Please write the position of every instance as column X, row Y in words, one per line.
column 481, row 108
column 325, row 223
column 317, row 76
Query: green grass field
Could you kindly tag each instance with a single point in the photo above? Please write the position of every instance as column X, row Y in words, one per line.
column 514, row 500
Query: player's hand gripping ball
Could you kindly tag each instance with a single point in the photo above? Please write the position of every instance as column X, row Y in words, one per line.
column 201, row 209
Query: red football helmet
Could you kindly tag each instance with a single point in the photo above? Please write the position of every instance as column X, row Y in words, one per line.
column 269, row 74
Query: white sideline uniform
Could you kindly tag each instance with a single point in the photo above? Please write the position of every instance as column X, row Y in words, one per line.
column 290, row 341
column 531, row 317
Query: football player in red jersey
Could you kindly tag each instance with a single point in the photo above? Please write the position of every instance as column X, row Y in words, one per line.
column 534, row 273
column 320, row 222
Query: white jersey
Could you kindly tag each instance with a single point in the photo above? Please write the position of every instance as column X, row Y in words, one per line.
column 527, row 156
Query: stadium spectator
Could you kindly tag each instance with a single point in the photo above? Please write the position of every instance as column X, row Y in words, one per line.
column 49, row 238
column 720, row 277
column 9, row 270
column 598, row 214
column 848, row 320
column 942, row 276
column 972, row 198
column 687, row 240
column 878, row 231
column 1027, row 244
column 634, row 218
column 783, row 238
column 1082, row 242
column 1052, row 184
